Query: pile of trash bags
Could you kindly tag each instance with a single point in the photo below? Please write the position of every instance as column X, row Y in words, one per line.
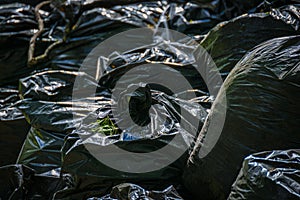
column 63, row 137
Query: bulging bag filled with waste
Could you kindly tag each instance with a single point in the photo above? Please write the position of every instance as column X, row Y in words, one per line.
column 144, row 122
column 74, row 28
column 269, row 175
column 229, row 41
column 261, row 104
column 49, row 106
column 175, row 114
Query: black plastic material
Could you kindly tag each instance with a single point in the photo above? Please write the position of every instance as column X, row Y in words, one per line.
column 20, row 182
column 269, row 175
column 62, row 33
column 229, row 41
column 127, row 191
column 262, row 94
column 13, row 126
column 16, row 28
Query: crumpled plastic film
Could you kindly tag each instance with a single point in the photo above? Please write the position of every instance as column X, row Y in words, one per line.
column 269, row 175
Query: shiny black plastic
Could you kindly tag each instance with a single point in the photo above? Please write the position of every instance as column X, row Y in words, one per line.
column 127, row 191
column 262, row 95
column 269, row 175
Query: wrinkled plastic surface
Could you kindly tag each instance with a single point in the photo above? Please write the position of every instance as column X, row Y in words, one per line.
column 16, row 28
column 47, row 104
column 127, row 191
column 47, row 95
column 269, row 175
column 71, row 30
column 20, row 182
column 13, row 126
column 86, row 24
column 48, row 108
column 229, row 41
column 262, row 94
column 42, row 150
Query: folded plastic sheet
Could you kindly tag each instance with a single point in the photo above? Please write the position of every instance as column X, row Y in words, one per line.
column 229, row 41
column 262, row 93
column 127, row 191
column 269, row 175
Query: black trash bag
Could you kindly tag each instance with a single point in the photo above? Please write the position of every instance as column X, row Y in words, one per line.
column 229, row 41
column 100, row 130
column 16, row 28
column 47, row 105
column 47, row 100
column 262, row 94
column 127, row 191
column 42, row 150
column 75, row 31
column 75, row 28
column 20, row 182
column 189, row 17
column 269, row 175
column 13, row 126
column 47, row 96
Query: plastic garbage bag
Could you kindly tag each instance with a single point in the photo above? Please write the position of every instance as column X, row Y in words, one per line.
column 269, row 175
column 13, row 126
column 47, row 105
column 21, row 182
column 17, row 26
column 127, row 191
column 262, row 93
column 71, row 29
column 229, row 41
column 42, row 150
column 75, row 27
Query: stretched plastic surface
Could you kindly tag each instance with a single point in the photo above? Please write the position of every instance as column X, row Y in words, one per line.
column 262, row 93
column 229, row 41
